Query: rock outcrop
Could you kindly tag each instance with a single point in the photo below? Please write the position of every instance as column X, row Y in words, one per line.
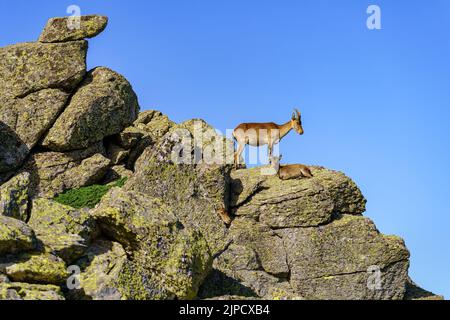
column 63, row 230
column 299, row 238
column 160, row 233
column 101, row 266
column 27, row 68
column 35, row 82
column 15, row 236
column 12, row 151
column 25, row 291
column 14, row 197
column 33, row 115
column 194, row 189
column 104, row 105
column 295, row 203
column 73, row 28
column 54, row 172
column 168, row 260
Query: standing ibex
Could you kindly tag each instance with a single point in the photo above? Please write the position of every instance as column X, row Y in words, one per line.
column 260, row 134
column 290, row 171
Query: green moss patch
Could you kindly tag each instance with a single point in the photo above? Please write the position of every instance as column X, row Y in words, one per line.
column 87, row 197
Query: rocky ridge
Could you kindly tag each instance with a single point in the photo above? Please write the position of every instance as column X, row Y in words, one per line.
column 160, row 236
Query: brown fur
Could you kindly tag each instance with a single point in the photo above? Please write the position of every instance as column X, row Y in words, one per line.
column 290, row 171
column 268, row 133
column 294, row 171
column 225, row 216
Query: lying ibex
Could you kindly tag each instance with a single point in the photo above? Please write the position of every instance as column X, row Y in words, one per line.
column 260, row 134
column 290, row 171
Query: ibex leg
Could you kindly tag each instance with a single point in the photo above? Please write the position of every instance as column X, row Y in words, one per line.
column 237, row 155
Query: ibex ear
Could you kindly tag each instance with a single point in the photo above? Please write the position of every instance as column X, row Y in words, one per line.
column 293, row 116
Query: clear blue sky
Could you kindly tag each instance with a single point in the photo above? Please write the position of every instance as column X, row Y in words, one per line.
column 376, row 104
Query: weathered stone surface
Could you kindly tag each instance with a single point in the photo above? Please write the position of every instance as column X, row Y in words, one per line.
column 304, row 239
column 207, row 145
column 39, row 268
column 25, row 291
column 90, row 171
column 196, row 190
column 295, row 203
column 32, row 116
column 65, row 231
column 254, row 265
column 4, row 279
column 54, row 172
column 355, row 286
column 13, row 150
column 168, row 259
column 34, row 81
column 15, row 236
column 292, row 239
column 145, row 132
column 241, row 257
column 116, row 173
column 129, row 137
column 116, row 154
column 143, row 144
column 14, row 196
column 104, row 105
column 73, row 28
column 334, row 261
column 266, row 243
column 126, row 216
column 339, row 255
column 29, row 67
column 414, row 292
column 253, row 284
column 101, row 268
column 153, row 123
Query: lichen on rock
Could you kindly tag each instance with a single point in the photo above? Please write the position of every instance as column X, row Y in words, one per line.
column 195, row 189
column 67, row 136
column 54, row 172
column 15, row 236
column 30, row 117
column 101, row 267
column 168, row 260
column 14, row 197
column 35, row 82
column 37, row 268
column 295, row 203
column 117, row 173
column 153, row 123
column 102, row 106
column 340, row 255
column 304, row 238
column 65, row 231
column 25, row 291
column 13, row 151
column 29, row 67
column 73, row 28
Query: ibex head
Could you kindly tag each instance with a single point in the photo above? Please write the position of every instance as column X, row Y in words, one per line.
column 296, row 122
column 274, row 160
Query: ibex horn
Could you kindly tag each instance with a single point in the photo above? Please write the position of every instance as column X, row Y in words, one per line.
column 298, row 113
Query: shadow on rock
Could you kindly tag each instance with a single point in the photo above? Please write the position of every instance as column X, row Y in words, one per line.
column 13, row 151
column 219, row 284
